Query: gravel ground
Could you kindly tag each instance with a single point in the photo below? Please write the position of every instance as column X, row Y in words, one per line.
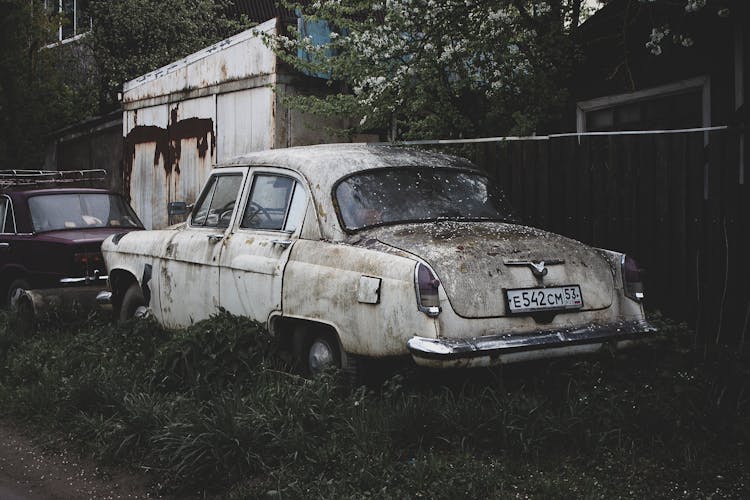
column 29, row 473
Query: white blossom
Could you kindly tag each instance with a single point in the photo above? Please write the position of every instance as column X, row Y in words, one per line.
column 694, row 5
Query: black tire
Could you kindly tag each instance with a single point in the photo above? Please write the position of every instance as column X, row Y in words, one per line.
column 13, row 290
column 131, row 301
column 25, row 317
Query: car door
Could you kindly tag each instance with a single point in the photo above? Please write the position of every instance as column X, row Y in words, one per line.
column 189, row 274
column 253, row 259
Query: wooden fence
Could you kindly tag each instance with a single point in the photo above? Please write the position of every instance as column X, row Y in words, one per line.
column 675, row 202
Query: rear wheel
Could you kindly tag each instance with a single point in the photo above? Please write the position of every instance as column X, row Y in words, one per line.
column 322, row 354
column 316, row 352
column 133, row 303
column 21, row 307
column 14, row 292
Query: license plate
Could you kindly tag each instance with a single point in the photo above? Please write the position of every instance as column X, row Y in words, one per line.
column 556, row 298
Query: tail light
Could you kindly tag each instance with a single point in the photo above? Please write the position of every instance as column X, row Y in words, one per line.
column 88, row 258
column 631, row 277
column 427, row 285
column 89, row 261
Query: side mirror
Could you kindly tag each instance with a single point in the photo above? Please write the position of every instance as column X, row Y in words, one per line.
column 178, row 208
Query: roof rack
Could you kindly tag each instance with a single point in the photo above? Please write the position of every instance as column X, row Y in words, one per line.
column 36, row 177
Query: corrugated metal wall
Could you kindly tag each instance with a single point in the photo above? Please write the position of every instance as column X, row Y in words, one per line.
column 180, row 119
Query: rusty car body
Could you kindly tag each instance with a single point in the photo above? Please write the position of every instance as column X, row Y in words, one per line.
column 358, row 251
column 51, row 234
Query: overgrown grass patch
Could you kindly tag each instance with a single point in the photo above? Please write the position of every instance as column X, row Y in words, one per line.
column 214, row 410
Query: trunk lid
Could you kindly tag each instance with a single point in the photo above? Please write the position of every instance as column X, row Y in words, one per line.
column 477, row 261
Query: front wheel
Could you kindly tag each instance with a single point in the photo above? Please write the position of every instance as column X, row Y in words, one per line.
column 133, row 303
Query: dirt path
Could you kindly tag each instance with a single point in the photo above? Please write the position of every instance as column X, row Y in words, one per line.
column 28, row 473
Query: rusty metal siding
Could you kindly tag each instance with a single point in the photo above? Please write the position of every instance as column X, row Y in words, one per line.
column 144, row 153
column 219, row 103
column 193, row 136
column 172, row 120
column 169, row 150
column 245, row 119
column 241, row 56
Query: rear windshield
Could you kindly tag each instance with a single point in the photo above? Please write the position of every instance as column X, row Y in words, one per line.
column 397, row 195
column 52, row 212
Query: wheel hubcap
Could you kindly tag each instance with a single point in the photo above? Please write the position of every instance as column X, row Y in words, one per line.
column 320, row 356
column 15, row 296
column 141, row 312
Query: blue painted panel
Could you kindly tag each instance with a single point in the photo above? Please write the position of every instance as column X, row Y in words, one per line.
column 319, row 32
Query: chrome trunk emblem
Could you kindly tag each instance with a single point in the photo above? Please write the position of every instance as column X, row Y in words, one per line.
column 538, row 268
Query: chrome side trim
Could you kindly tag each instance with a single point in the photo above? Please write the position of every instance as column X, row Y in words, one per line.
column 86, row 279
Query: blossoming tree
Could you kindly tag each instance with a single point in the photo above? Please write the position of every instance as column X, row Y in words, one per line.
column 429, row 68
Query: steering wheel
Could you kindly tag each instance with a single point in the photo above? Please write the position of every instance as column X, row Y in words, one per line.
column 225, row 214
column 257, row 209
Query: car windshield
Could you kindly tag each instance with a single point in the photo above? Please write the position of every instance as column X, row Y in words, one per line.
column 397, row 195
column 50, row 212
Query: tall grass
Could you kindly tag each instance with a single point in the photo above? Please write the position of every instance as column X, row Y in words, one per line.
column 214, row 410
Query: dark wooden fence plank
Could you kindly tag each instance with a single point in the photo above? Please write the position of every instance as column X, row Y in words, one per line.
column 677, row 224
column 542, row 201
column 714, row 266
column 571, row 190
column 627, row 173
column 694, row 225
column 583, row 169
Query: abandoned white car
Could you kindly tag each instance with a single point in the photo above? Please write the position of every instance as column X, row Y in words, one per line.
column 370, row 251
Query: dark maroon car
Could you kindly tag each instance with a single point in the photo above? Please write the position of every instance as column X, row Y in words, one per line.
column 50, row 237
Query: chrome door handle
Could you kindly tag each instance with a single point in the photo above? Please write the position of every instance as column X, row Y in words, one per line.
column 283, row 243
column 4, row 245
column 215, row 238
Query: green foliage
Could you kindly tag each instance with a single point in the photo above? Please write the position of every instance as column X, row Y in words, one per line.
column 40, row 89
column 423, row 69
column 45, row 87
column 132, row 37
column 212, row 410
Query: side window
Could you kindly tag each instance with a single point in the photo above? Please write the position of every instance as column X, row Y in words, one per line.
column 296, row 209
column 7, row 221
column 216, row 204
column 276, row 202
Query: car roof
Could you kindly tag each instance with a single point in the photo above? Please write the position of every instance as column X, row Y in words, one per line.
column 329, row 162
column 27, row 192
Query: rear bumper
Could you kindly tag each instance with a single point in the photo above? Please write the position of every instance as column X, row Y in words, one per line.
column 506, row 348
column 69, row 300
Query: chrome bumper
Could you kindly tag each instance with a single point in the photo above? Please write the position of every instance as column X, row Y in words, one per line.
column 66, row 301
column 506, row 348
column 85, row 280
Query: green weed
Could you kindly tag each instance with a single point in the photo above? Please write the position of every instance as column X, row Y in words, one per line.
column 213, row 410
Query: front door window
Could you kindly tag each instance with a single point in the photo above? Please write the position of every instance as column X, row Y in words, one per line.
column 217, row 201
column 268, row 203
